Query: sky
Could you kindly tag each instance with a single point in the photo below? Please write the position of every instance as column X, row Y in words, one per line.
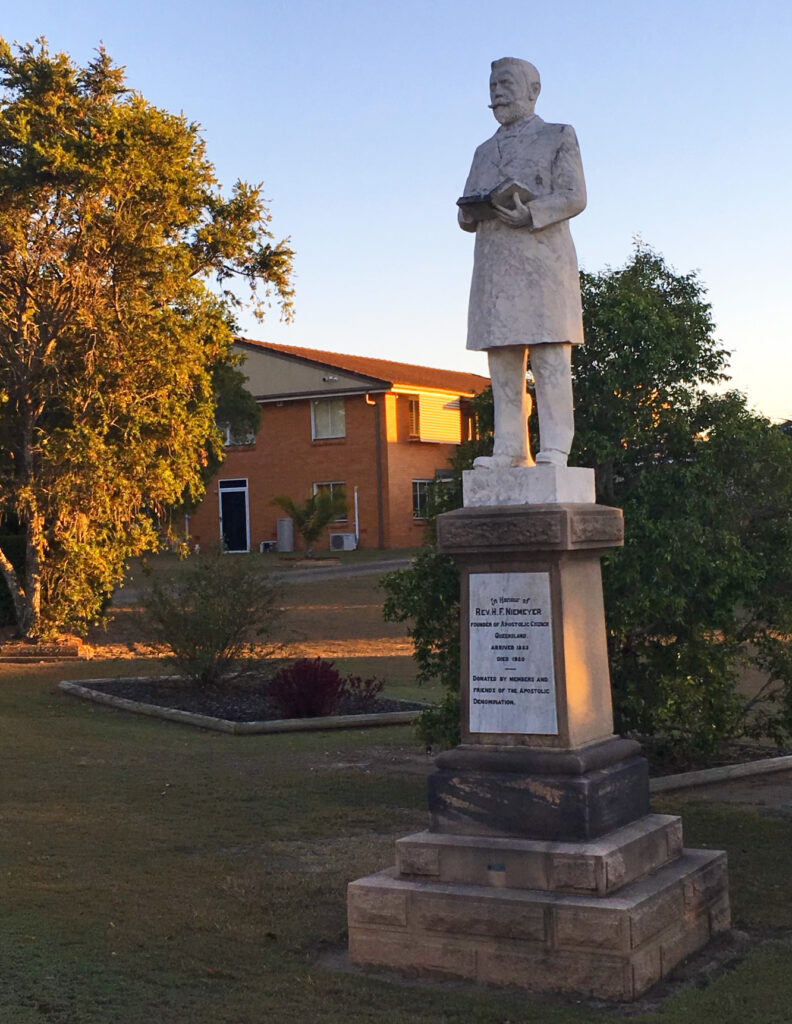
column 360, row 118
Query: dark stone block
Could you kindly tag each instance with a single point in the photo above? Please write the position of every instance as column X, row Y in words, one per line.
column 562, row 808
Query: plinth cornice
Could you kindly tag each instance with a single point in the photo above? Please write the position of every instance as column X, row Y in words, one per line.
column 552, row 527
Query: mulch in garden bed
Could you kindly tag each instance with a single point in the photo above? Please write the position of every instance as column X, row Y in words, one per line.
column 234, row 702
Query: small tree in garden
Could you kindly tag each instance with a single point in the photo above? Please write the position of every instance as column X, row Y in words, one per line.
column 211, row 613
column 314, row 514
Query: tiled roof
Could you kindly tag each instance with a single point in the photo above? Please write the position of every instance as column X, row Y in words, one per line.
column 384, row 369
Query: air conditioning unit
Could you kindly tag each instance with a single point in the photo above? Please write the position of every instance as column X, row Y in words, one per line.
column 342, row 542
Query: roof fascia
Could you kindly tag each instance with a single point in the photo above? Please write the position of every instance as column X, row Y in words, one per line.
column 417, row 389
column 296, row 396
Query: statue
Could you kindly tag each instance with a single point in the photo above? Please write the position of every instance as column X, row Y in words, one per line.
column 525, row 184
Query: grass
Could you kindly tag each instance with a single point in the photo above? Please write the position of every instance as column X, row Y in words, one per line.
column 152, row 872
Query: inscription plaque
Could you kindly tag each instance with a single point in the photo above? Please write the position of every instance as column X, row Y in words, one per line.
column 512, row 684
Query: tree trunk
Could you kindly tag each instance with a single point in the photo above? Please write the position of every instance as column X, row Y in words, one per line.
column 29, row 611
column 18, row 595
column 32, row 576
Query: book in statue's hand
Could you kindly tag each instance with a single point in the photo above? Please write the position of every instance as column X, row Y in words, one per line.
column 481, row 205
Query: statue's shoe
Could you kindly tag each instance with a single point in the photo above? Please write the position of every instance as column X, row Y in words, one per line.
column 501, row 461
column 551, row 457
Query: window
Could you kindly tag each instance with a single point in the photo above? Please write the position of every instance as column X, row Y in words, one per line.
column 230, row 439
column 414, row 413
column 336, row 489
column 328, row 418
column 467, row 419
column 420, row 498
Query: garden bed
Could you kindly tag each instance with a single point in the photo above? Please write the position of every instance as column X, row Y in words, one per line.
column 240, row 708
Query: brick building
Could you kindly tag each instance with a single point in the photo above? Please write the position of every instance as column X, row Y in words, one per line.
column 373, row 428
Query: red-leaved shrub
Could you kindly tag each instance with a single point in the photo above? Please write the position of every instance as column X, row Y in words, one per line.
column 361, row 694
column 311, row 687
column 308, row 688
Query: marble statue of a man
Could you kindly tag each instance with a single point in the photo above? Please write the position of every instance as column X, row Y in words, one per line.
column 525, row 184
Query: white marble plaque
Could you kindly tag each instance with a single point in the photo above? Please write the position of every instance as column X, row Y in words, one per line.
column 512, row 685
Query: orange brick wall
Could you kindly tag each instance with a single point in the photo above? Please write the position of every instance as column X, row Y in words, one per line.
column 284, row 460
column 408, row 461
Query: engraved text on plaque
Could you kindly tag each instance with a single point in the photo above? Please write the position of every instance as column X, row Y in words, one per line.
column 512, row 686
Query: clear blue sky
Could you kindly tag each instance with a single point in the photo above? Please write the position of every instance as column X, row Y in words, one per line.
column 361, row 116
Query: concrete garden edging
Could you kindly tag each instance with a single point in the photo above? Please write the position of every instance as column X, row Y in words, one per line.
column 237, row 728
column 705, row 776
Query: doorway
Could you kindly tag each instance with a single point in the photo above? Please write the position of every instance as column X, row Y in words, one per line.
column 234, row 515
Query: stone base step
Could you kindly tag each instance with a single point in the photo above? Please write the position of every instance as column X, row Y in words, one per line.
column 599, row 866
column 610, row 947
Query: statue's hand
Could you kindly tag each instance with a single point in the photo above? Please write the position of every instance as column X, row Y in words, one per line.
column 518, row 216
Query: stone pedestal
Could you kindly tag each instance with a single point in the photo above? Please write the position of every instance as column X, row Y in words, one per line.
column 543, row 866
column 540, row 916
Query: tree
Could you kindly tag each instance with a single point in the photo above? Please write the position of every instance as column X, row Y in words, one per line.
column 118, row 257
column 650, row 352
column 315, row 513
column 702, row 587
column 235, row 408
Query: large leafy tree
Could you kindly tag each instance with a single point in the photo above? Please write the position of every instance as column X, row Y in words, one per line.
column 703, row 586
column 118, row 261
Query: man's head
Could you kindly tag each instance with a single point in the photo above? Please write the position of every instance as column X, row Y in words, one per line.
column 514, row 87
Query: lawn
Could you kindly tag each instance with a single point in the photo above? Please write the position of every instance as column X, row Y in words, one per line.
column 156, row 873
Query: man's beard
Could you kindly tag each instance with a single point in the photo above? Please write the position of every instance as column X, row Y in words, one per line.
column 509, row 113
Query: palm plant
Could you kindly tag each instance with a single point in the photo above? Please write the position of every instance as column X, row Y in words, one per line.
column 314, row 514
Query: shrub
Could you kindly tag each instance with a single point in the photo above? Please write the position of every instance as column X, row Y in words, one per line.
column 426, row 596
column 308, row 688
column 361, row 694
column 212, row 614
column 312, row 688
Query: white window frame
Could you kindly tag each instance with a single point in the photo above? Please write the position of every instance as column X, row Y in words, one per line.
column 335, row 429
column 333, row 485
column 232, row 441
column 419, row 508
